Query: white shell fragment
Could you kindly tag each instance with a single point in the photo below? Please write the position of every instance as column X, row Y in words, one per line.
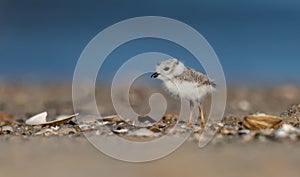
column 144, row 133
column 47, row 132
column 40, row 119
column 37, row 119
column 61, row 119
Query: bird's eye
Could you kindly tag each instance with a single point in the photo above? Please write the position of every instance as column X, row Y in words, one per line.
column 166, row 68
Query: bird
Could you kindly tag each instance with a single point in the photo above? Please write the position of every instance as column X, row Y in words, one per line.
column 182, row 82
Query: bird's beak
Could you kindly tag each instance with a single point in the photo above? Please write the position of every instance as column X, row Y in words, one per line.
column 155, row 75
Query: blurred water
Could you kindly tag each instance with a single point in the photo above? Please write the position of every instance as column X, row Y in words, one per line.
column 257, row 41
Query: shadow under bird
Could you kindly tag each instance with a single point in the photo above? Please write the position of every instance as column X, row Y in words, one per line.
column 186, row 83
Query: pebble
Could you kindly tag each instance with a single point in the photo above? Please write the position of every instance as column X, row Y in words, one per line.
column 259, row 127
column 120, row 130
column 7, row 129
column 66, row 131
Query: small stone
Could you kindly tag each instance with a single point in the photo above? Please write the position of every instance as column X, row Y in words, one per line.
column 290, row 129
column 197, row 129
column 7, row 129
column 243, row 132
column 229, row 130
column 120, row 130
column 66, row 131
column 55, row 128
column 280, row 133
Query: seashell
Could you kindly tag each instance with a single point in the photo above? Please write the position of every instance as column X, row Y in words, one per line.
column 37, row 119
column 261, row 121
column 61, row 120
column 143, row 132
column 40, row 119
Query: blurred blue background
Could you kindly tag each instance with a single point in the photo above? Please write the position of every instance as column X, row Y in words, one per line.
column 257, row 42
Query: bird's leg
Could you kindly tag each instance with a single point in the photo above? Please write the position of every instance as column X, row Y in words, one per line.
column 202, row 120
column 191, row 112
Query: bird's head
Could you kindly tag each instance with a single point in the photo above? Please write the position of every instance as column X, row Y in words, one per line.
column 168, row 69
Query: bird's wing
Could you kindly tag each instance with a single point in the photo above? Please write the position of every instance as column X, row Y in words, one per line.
column 191, row 75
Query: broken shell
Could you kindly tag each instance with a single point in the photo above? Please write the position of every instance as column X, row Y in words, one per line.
column 61, row 120
column 37, row 119
column 261, row 121
column 40, row 119
column 47, row 132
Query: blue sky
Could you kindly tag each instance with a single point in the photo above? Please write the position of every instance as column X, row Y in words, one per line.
column 256, row 41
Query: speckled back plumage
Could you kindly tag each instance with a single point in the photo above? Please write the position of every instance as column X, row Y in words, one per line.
column 191, row 75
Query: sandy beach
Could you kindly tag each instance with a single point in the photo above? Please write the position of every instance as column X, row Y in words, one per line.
column 75, row 156
column 63, row 156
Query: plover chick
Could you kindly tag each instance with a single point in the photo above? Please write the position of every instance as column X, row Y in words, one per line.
column 186, row 83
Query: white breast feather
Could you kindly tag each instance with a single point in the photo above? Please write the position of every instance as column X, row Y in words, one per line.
column 187, row 90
